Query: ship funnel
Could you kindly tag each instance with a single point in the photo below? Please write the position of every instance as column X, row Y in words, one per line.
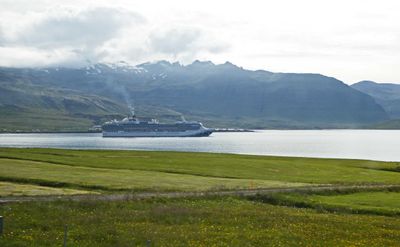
column 183, row 118
column 132, row 109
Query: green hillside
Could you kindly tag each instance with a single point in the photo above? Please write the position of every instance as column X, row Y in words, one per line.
column 223, row 95
column 28, row 107
column 386, row 94
column 391, row 124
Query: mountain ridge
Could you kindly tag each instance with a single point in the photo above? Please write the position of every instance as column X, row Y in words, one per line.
column 218, row 94
column 386, row 94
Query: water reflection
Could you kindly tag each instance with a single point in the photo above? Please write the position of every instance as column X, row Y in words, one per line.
column 357, row 144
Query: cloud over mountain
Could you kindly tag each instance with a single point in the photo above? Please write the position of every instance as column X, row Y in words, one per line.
column 186, row 41
column 67, row 33
column 340, row 38
column 75, row 29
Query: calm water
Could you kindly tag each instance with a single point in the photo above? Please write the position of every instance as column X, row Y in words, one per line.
column 360, row 144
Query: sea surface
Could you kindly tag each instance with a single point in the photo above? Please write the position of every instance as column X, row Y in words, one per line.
column 354, row 144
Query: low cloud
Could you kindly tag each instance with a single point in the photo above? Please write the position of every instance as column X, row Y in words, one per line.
column 185, row 43
column 349, row 40
column 64, row 36
column 175, row 41
column 101, row 34
column 69, row 28
column 32, row 57
column 1, row 38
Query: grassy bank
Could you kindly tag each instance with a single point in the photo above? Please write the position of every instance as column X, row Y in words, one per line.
column 382, row 202
column 166, row 171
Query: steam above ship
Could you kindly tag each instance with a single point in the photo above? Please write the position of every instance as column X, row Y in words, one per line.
column 147, row 127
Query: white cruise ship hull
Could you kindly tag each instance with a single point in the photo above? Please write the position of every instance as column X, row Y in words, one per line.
column 188, row 133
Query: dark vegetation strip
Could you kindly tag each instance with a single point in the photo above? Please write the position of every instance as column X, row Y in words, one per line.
column 268, row 195
column 55, row 154
column 36, row 160
column 96, row 188
column 345, row 190
column 282, row 199
column 396, row 169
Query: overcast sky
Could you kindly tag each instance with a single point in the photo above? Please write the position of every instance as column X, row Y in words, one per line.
column 351, row 40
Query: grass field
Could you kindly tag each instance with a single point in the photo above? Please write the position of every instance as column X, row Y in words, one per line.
column 158, row 171
column 372, row 202
column 14, row 189
column 122, row 179
column 223, row 221
column 335, row 218
column 385, row 202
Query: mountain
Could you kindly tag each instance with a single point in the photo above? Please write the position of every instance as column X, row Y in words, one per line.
column 28, row 107
column 222, row 95
column 386, row 94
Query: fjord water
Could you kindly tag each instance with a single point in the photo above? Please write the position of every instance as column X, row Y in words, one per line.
column 354, row 144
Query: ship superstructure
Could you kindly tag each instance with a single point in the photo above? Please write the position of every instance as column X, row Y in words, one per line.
column 147, row 127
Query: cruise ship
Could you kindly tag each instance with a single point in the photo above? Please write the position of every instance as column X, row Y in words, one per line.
column 135, row 127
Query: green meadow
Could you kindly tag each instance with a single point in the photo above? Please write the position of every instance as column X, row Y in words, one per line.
column 385, row 202
column 222, row 221
column 353, row 217
column 108, row 179
column 167, row 171
column 17, row 189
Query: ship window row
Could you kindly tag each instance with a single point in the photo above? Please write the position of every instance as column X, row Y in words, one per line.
column 152, row 128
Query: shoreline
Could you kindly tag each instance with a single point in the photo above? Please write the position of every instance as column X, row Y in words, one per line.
column 216, row 130
column 50, row 132
column 200, row 152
